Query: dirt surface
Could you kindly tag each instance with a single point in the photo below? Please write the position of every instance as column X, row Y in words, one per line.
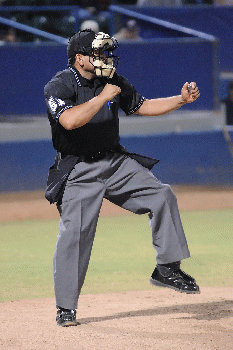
column 155, row 319
column 159, row 319
column 32, row 205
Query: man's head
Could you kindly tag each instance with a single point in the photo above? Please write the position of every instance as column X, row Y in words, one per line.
column 80, row 42
column 99, row 47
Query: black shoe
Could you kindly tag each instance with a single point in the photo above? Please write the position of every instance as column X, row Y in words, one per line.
column 66, row 318
column 173, row 277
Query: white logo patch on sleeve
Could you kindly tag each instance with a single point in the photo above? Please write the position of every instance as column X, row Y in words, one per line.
column 61, row 102
column 54, row 103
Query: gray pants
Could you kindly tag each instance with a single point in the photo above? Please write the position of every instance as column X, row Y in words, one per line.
column 128, row 184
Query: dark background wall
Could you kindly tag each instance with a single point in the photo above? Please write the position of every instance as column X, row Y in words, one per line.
column 188, row 158
column 157, row 68
column 212, row 20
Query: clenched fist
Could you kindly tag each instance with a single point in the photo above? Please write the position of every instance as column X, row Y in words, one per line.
column 110, row 91
column 190, row 92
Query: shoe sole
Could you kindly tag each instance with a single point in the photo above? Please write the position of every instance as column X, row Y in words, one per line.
column 160, row 284
column 68, row 324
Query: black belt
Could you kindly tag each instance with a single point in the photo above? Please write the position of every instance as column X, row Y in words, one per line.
column 91, row 158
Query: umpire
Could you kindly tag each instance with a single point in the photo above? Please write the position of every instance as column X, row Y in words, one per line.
column 82, row 105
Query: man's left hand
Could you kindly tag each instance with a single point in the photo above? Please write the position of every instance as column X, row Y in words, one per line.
column 190, row 95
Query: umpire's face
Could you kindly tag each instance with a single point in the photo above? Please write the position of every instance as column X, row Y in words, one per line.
column 84, row 65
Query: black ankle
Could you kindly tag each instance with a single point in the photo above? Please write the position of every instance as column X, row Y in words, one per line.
column 62, row 309
column 173, row 266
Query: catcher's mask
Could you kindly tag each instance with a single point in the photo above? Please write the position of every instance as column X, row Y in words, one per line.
column 104, row 62
column 99, row 46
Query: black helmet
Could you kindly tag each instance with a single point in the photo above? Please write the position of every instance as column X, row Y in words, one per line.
column 80, row 42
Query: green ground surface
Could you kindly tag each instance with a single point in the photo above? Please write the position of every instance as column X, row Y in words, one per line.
column 122, row 257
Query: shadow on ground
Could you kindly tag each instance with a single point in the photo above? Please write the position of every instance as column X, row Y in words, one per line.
column 203, row 311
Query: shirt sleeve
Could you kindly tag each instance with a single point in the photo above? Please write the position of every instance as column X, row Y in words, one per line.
column 59, row 96
column 130, row 99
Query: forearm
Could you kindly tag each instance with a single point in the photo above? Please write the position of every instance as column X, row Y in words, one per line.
column 161, row 106
column 78, row 116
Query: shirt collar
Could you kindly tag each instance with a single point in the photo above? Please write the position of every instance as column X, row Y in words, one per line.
column 83, row 81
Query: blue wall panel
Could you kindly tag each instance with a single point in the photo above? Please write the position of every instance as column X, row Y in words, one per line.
column 194, row 158
column 189, row 158
column 156, row 69
column 160, row 70
column 24, row 165
column 24, row 72
column 212, row 20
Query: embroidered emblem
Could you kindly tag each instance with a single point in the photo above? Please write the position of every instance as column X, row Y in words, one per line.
column 60, row 102
column 54, row 103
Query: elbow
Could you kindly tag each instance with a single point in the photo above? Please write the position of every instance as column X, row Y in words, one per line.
column 68, row 125
column 67, row 121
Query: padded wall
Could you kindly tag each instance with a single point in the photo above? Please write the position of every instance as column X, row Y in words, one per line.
column 188, row 158
column 156, row 69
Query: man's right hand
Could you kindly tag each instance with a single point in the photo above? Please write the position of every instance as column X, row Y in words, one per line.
column 110, row 91
column 79, row 115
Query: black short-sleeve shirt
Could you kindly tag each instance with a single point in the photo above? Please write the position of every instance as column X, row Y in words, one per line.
column 68, row 89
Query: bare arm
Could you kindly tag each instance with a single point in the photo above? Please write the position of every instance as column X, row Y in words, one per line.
column 160, row 106
column 78, row 116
